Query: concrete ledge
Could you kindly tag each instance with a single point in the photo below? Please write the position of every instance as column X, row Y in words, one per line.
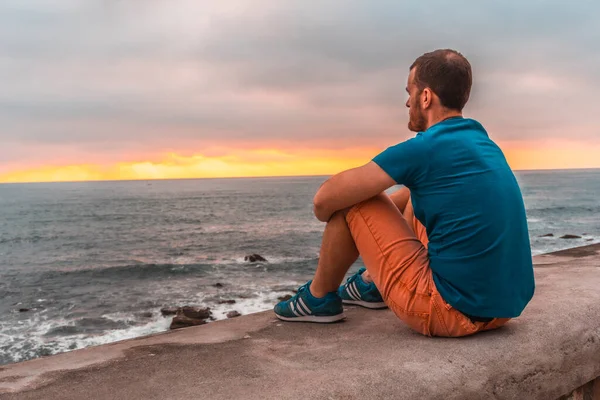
column 550, row 351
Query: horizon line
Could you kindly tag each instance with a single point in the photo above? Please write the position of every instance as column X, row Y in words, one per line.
column 252, row 177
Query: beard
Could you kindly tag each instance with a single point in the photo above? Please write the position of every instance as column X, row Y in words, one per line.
column 416, row 118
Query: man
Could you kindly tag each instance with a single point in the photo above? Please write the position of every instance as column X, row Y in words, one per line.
column 449, row 252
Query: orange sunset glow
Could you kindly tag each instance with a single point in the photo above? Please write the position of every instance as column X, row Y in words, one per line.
column 273, row 162
column 254, row 163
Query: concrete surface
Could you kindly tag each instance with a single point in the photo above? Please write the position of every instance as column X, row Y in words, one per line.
column 547, row 353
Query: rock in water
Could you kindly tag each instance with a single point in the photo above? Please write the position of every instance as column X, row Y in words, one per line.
column 218, row 285
column 570, row 237
column 284, row 298
column 255, row 258
column 181, row 321
column 233, row 314
column 24, row 309
column 226, row 301
column 547, row 235
column 196, row 312
column 169, row 311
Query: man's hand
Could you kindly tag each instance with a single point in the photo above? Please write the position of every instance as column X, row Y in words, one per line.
column 349, row 188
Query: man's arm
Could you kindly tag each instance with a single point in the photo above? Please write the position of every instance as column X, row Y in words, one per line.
column 349, row 188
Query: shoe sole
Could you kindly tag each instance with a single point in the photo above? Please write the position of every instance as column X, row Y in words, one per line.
column 366, row 304
column 314, row 318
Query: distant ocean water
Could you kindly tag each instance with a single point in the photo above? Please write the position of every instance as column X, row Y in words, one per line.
column 95, row 262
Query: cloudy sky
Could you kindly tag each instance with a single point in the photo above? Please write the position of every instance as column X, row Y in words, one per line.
column 109, row 89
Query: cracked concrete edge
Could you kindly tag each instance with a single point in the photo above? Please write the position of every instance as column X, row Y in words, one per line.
column 34, row 373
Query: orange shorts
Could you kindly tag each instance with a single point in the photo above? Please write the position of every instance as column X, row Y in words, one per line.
column 393, row 248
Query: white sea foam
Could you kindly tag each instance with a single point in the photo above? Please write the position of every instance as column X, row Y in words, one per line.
column 263, row 301
column 29, row 340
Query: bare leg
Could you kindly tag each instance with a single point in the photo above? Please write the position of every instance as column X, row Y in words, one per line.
column 338, row 253
column 400, row 198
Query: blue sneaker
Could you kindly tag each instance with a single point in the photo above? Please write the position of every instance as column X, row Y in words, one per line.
column 358, row 292
column 304, row 307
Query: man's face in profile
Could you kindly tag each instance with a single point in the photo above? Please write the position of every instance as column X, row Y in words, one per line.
column 416, row 118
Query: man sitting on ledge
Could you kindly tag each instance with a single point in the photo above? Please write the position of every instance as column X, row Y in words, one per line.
column 449, row 253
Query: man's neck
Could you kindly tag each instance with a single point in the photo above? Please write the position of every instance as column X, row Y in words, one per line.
column 442, row 117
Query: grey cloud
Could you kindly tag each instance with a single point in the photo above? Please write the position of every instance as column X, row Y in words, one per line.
column 375, row 36
column 150, row 68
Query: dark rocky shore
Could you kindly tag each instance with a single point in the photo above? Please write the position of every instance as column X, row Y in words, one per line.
column 567, row 236
column 196, row 315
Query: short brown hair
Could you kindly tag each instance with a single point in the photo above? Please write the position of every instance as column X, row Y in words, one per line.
column 448, row 74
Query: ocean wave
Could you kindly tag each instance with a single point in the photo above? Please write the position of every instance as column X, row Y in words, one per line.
column 562, row 209
column 88, row 326
column 19, row 239
column 180, row 266
column 544, row 245
column 137, row 271
column 278, row 259
column 40, row 335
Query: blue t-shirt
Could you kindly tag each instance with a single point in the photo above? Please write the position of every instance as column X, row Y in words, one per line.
column 467, row 197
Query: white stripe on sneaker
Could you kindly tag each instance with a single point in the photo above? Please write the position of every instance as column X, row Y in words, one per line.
column 299, row 309
column 355, row 290
column 304, row 307
column 292, row 308
column 350, row 292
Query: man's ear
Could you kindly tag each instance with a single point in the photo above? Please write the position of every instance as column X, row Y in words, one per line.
column 426, row 98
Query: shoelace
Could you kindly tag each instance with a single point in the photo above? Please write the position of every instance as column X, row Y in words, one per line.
column 351, row 279
column 302, row 288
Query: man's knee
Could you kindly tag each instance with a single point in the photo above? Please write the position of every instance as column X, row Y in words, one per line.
column 342, row 213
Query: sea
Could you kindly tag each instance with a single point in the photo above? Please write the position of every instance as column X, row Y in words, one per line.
column 95, row 262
